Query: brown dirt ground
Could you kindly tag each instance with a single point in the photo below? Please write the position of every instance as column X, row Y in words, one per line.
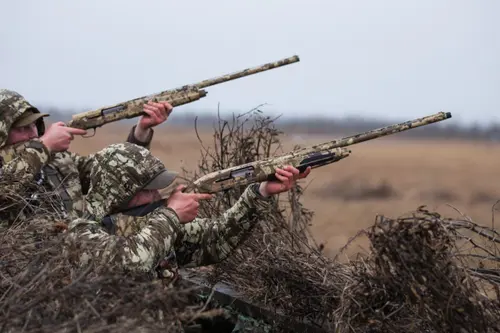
column 433, row 173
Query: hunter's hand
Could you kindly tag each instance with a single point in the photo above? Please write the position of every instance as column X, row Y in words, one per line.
column 156, row 113
column 287, row 177
column 186, row 205
column 58, row 136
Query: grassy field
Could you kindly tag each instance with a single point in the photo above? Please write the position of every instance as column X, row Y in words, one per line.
column 386, row 176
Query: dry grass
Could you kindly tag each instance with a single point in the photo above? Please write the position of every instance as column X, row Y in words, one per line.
column 433, row 173
column 44, row 288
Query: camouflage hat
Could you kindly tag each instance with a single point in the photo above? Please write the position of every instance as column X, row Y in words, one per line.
column 162, row 180
column 28, row 117
column 120, row 171
column 13, row 106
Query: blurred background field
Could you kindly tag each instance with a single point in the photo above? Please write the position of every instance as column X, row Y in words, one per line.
column 390, row 176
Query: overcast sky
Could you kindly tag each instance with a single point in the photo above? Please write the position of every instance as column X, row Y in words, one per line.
column 401, row 59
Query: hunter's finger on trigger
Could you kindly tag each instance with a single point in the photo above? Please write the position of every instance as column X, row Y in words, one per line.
column 74, row 130
column 202, row 196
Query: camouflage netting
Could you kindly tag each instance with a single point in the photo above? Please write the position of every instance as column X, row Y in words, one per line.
column 424, row 273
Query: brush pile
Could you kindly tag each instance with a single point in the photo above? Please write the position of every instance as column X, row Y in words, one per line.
column 42, row 289
column 424, row 272
column 413, row 281
column 420, row 275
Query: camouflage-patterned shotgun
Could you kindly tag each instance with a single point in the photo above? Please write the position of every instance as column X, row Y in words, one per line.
column 313, row 156
column 177, row 96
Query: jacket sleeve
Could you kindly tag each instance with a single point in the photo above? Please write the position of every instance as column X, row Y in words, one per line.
column 132, row 139
column 139, row 252
column 85, row 163
column 20, row 164
column 209, row 241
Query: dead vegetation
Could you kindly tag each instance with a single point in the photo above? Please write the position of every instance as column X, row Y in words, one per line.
column 415, row 278
column 423, row 273
column 43, row 289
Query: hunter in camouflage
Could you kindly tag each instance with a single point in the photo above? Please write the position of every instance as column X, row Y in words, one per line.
column 170, row 234
column 31, row 154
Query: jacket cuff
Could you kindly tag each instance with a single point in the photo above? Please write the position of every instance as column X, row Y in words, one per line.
column 255, row 197
column 255, row 189
column 171, row 214
column 132, row 139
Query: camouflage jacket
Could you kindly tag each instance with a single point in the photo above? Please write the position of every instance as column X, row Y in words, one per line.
column 164, row 240
column 64, row 175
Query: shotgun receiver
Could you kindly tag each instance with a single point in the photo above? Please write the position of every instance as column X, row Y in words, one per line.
column 177, row 96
